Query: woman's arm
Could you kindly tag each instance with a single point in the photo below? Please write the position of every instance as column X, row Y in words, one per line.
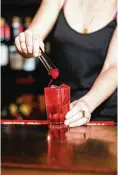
column 28, row 42
column 106, row 83
column 103, row 87
column 46, row 16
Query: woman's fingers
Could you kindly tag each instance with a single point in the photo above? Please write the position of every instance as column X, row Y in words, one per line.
column 75, row 118
column 17, row 42
column 84, row 107
column 78, row 115
column 28, row 38
column 80, row 122
column 74, row 110
column 42, row 45
column 29, row 42
column 78, row 106
column 73, row 104
column 22, row 42
column 36, row 42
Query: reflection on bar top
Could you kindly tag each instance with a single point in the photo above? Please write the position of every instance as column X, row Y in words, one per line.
column 81, row 149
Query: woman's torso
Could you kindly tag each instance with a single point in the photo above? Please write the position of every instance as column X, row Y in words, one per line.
column 79, row 56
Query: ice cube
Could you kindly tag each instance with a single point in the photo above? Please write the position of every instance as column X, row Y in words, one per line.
column 53, row 86
column 56, row 117
column 63, row 86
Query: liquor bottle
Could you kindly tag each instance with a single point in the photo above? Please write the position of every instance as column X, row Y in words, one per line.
column 7, row 32
column 2, row 23
column 17, row 26
column 27, row 22
column 7, row 78
column 5, row 36
column 16, row 60
column 29, row 65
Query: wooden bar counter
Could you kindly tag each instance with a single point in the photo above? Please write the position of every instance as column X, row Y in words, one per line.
column 36, row 150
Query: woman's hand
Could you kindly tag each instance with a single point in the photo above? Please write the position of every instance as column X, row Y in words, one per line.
column 28, row 43
column 79, row 114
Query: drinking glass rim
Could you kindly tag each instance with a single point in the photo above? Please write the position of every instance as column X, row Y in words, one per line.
column 56, row 89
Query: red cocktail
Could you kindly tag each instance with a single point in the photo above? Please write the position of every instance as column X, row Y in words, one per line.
column 57, row 101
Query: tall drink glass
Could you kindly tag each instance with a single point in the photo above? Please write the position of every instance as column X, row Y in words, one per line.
column 57, row 101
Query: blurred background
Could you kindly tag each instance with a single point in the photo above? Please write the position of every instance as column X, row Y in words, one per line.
column 23, row 80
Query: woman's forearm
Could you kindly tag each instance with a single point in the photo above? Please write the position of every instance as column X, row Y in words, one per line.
column 103, row 88
column 106, row 83
column 45, row 17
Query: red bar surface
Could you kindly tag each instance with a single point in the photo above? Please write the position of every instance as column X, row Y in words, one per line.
column 45, row 122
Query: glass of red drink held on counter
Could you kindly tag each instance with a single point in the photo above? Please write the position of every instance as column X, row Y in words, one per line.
column 57, row 99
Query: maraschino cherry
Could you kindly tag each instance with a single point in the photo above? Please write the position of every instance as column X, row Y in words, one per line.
column 54, row 73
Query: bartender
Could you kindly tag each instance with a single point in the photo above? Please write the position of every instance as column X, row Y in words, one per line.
column 85, row 51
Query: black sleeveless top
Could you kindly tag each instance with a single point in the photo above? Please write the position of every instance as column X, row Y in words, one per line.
column 80, row 58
